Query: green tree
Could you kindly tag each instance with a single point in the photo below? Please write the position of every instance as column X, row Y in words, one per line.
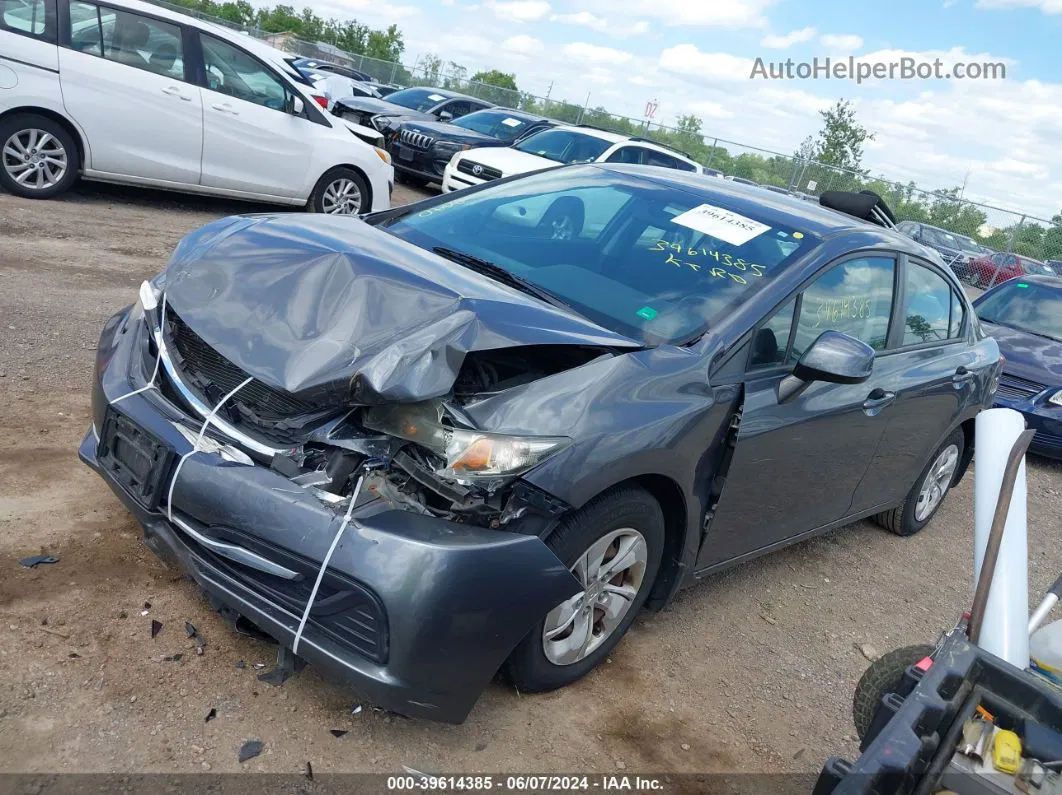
column 386, row 45
column 496, row 78
column 841, row 139
column 430, row 65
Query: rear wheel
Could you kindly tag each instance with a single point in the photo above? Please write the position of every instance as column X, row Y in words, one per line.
column 884, row 676
column 341, row 191
column 928, row 492
column 38, row 157
column 613, row 546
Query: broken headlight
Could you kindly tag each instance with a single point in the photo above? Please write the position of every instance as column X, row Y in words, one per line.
column 469, row 454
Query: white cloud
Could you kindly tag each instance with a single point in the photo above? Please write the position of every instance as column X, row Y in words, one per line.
column 699, row 13
column 581, row 18
column 707, row 67
column 776, row 42
column 1047, row 6
column 523, row 45
column 592, row 53
column 713, row 110
column 845, row 43
column 519, row 10
column 603, row 25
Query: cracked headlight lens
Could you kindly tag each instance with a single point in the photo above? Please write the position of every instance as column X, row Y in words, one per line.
column 469, row 453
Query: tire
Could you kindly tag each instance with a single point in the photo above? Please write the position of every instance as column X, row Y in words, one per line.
column 624, row 510
column 910, row 516
column 328, row 195
column 564, row 219
column 52, row 168
column 884, row 676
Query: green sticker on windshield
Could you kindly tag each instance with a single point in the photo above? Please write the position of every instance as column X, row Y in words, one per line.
column 646, row 312
column 1023, row 284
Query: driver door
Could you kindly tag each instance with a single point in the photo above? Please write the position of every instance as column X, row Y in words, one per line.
column 251, row 143
column 798, row 464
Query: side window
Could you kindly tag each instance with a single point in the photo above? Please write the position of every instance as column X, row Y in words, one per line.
column 772, row 338
column 854, row 298
column 34, row 18
column 958, row 315
column 231, row 71
column 129, row 39
column 926, row 306
column 626, row 154
column 654, row 158
column 457, row 108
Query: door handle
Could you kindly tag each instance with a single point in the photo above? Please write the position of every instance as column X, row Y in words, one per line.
column 225, row 107
column 876, row 401
column 173, row 91
column 962, row 375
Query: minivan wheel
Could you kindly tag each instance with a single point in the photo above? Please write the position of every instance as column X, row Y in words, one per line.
column 929, row 490
column 613, row 546
column 341, row 191
column 38, row 158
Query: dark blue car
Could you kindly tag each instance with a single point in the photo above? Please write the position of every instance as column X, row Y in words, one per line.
column 485, row 430
column 1025, row 318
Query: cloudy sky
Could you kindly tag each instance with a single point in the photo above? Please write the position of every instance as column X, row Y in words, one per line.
column 695, row 56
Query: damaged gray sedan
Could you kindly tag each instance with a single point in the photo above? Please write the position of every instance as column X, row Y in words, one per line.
column 480, row 433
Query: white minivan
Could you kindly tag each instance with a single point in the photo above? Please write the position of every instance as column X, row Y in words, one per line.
column 123, row 91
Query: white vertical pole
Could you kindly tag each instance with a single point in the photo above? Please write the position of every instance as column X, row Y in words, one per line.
column 1004, row 631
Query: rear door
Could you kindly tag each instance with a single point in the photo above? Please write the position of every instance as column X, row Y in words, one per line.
column 797, row 465
column 126, row 83
column 251, row 142
column 930, row 367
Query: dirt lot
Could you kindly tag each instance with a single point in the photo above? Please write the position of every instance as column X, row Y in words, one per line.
column 751, row 671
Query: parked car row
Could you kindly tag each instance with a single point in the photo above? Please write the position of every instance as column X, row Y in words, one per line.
column 134, row 93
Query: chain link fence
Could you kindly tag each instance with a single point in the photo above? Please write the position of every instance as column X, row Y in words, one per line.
column 983, row 243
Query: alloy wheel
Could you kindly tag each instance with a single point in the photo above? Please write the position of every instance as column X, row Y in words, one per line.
column 612, row 572
column 936, row 483
column 35, row 159
column 341, row 197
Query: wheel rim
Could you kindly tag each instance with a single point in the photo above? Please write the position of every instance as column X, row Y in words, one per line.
column 342, row 197
column 35, row 159
column 937, row 481
column 612, row 572
column 563, row 228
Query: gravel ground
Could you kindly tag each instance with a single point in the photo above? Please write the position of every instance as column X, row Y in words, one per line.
column 751, row 671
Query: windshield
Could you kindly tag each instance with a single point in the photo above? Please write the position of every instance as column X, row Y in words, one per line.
column 938, row 237
column 653, row 263
column 1026, row 306
column 496, row 124
column 1035, row 268
column 564, row 146
column 416, row 98
column 968, row 244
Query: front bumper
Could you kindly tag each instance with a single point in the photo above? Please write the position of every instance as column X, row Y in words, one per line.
column 422, row 165
column 456, row 180
column 415, row 613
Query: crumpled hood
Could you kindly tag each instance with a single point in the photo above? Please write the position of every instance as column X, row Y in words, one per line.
column 305, row 302
column 381, row 106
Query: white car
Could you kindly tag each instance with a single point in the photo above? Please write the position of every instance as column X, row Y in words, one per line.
column 134, row 93
column 559, row 145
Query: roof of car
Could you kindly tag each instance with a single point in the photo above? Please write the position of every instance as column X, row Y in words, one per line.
column 770, row 207
column 446, row 93
column 617, row 138
column 516, row 114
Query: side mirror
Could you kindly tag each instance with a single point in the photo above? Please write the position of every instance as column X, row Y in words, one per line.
column 835, row 358
column 297, row 106
column 445, row 115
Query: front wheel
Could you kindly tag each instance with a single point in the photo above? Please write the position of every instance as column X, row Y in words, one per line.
column 38, row 158
column 341, row 191
column 929, row 490
column 613, row 546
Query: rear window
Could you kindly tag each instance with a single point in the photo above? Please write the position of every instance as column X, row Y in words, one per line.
column 655, row 264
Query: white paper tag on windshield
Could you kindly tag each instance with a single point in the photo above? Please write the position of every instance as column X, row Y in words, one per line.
column 436, row 97
column 730, row 227
column 511, row 122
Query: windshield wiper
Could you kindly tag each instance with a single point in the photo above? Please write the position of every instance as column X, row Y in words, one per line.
column 500, row 274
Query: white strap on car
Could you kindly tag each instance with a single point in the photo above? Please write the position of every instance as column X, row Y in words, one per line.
column 198, row 441
column 324, row 565
column 148, row 302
